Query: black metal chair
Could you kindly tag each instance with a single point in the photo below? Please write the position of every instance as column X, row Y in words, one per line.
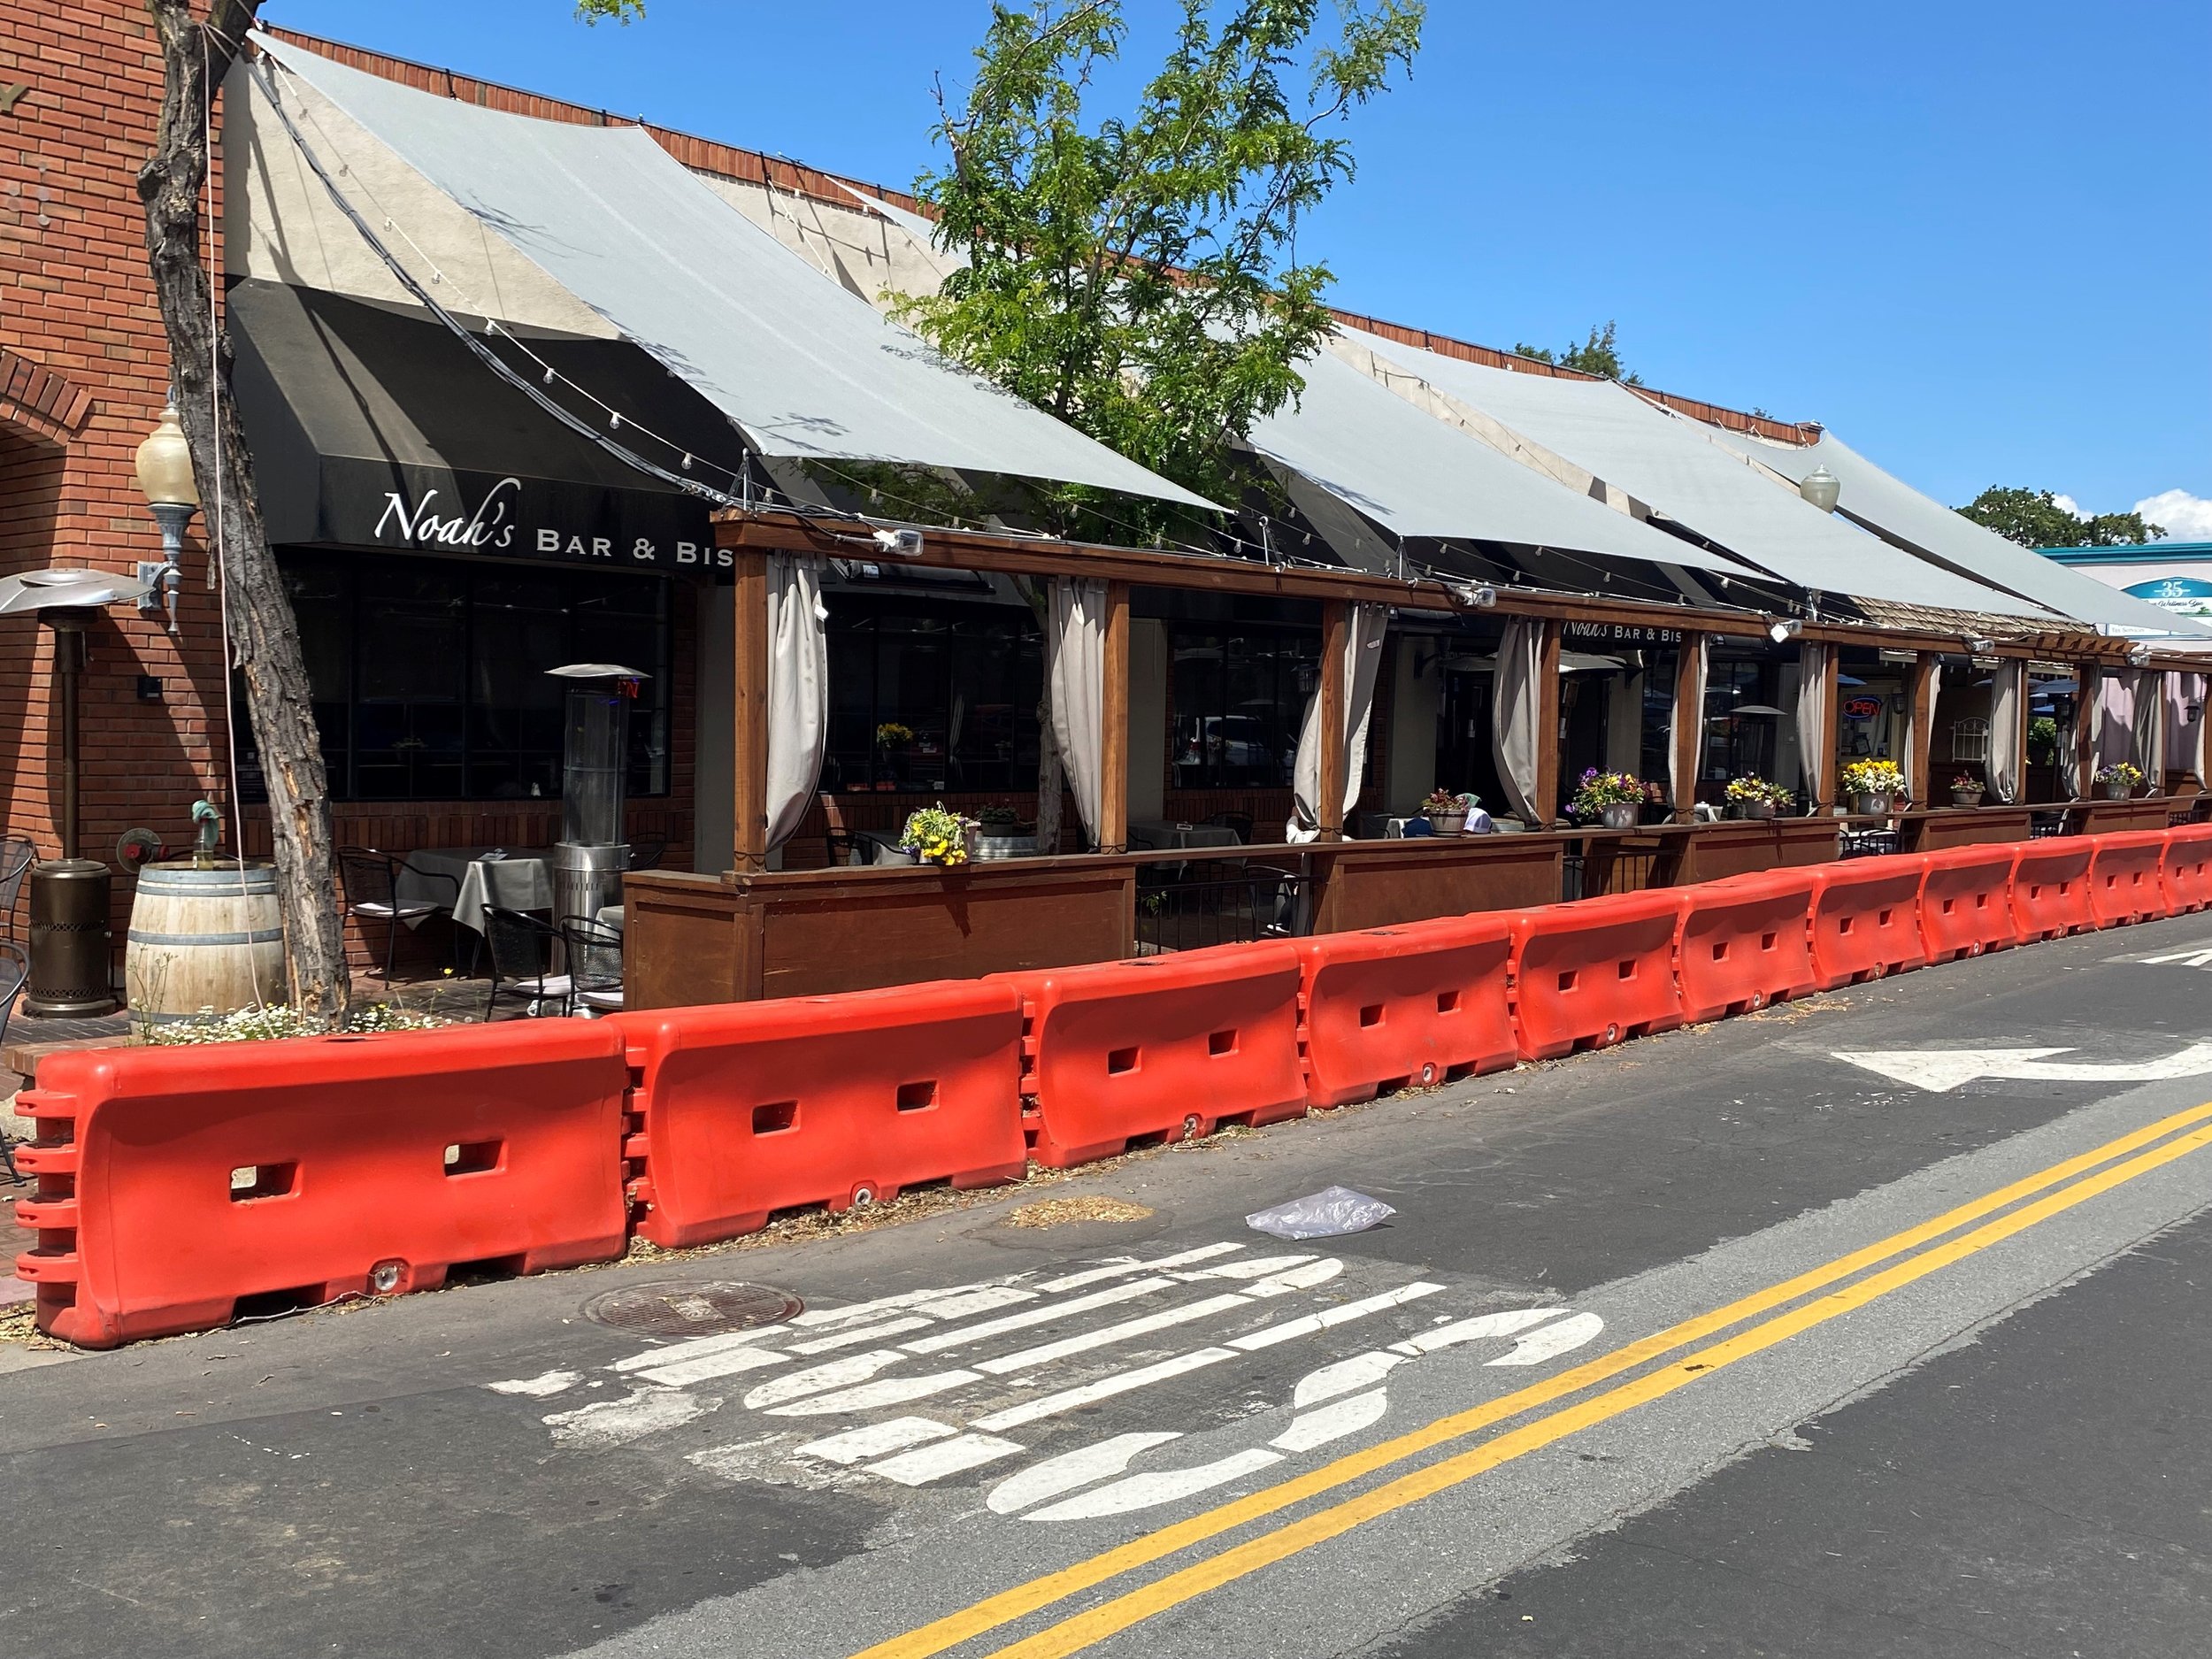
column 648, row 854
column 16, row 855
column 522, row 956
column 15, row 968
column 595, row 966
column 841, row 848
column 370, row 881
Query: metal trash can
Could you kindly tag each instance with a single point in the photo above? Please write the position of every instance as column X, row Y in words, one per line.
column 71, row 946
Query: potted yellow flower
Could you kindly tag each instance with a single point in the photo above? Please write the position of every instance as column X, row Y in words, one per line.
column 1873, row 786
column 935, row 835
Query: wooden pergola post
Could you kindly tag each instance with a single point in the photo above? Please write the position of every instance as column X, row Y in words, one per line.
column 2088, row 683
column 1550, row 739
column 1336, row 633
column 1831, row 733
column 1920, row 729
column 749, row 817
column 1689, row 724
column 1113, row 750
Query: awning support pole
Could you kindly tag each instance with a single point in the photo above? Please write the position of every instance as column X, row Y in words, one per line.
column 749, row 817
column 1336, row 633
column 1113, row 744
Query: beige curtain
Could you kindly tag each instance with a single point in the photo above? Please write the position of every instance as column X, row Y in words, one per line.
column 2007, row 697
column 798, row 690
column 2149, row 734
column 1515, row 707
column 1814, row 762
column 1076, row 646
column 1682, row 791
column 1363, row 662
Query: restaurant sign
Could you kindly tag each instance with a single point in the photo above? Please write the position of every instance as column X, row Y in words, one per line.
column 1863, row 709
column 497, row 523
column 1623, row 633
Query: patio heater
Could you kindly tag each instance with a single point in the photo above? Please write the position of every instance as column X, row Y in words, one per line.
column 71, row 946
column 588, row 859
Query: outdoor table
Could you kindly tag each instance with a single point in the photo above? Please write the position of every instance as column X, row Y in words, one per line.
column 511, row 883
column 1163, row 836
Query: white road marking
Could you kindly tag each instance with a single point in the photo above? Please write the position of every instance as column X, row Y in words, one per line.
column 607, row 1422
column 864, row 1334
column 727, row 1362
column 858, row 1446
column 1297, row 1278
column 1332, row 1422
column 1552, row 1341
column 976, row 1301
column 1259, row 1268
column 837, row 1373
column 814, row 1316
column 1312, row 1323
column 1030, row 1358
column 1361, row 1371
column 1474, row 1330
column 948, row 1457
column 2199, row 957
column 674, row 1353
column 1070, row 1470
column 1044, row 1315
column 893, row 1391
column 1941, row 1070
column 1130, row 1264
column 1142, row 1492
column 1104, row 1388
column 550, row 1382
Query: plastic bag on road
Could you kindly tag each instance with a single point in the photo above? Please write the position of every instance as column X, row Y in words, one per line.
column 1327, row 1214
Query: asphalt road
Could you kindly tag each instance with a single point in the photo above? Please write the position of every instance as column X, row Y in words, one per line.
column 1715, row 1343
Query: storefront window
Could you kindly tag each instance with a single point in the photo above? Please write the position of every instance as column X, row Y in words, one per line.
column 1239, row 700
column 932, row 699
column 430, row 677
column 1740, row 720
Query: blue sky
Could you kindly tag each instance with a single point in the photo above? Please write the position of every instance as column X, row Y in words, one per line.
column 1972, row 239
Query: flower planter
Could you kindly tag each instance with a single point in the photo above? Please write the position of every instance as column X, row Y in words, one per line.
column 1447, row 823
column 1966, row 798
column 1752, row 809
column 1619, row 815
column 1870, row 805
column 988, row 847
column 2117, row 791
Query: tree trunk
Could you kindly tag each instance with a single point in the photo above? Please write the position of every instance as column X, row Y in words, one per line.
column 264, row 638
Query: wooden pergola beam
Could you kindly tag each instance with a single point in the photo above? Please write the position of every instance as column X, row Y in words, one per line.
column 782, row 530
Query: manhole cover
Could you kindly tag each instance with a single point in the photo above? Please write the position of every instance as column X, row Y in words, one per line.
column 672, row 1308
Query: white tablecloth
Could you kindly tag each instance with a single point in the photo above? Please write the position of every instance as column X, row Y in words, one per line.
column 510, row 883
column 1159, row 835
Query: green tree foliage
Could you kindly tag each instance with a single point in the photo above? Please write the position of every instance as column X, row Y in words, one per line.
column 1600, row 354
column 599, row 11
column 2035, row 517
column 1138, row 274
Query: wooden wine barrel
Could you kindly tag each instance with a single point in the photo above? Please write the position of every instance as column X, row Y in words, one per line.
column 202, row 940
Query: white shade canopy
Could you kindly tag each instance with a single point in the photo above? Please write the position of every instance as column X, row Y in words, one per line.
column 804, row 368
column 1897, row 513
column 1416, row 476
column 1675, row 467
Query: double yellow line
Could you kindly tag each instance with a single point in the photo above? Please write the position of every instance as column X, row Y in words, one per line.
column 2062, row 1184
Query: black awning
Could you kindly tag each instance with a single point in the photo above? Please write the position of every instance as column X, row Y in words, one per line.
column 373, row 428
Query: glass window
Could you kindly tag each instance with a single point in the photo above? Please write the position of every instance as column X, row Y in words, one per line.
column 1739, row 744
column 429, row 677
column 924, row 699
column 1239, row 700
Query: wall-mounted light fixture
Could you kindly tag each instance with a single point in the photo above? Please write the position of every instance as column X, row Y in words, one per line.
column 1481, row 595
column 164, row 474
column 1781, row 628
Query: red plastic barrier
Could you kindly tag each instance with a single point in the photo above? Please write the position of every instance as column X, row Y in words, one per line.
column 1745, row 942
column 174, row 1183
column 1423, row 1002
column 1167, row 1046
column 748, row 1107
column 2187, row 871
column 2050, row 889
column 1866, row 919
column 1966, row 901
column 2125, row 880
column 1595, row 971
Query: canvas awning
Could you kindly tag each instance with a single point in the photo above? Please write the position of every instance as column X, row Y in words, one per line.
column 1414, row 476
column 804, row 368
column 1672, row 466
column 1899, row 513
column 374, row 427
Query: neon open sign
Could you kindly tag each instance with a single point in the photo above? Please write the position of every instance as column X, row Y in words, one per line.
column 1863, row 709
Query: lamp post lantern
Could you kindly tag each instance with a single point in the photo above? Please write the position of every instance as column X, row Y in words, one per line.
column 164, row 474
column 1821, row 488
